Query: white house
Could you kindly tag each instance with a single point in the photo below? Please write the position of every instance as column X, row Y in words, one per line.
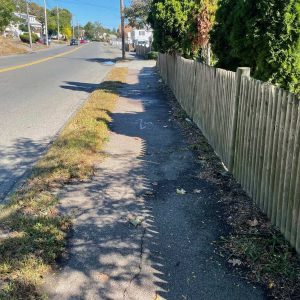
column 13, row 28
column 140, row 36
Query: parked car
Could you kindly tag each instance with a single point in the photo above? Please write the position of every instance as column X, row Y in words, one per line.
column 74, row 42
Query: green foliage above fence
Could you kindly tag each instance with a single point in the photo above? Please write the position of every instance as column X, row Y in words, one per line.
column 263, row 35
column 169, row 19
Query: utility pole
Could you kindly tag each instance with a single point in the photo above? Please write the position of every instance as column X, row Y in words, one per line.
column 57, row 22
column 28, row 24
column 78, row 29
column 73, row 36
column 122, row 27
column 46, row 24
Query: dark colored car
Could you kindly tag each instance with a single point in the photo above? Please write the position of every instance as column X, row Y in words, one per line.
column 74, row 42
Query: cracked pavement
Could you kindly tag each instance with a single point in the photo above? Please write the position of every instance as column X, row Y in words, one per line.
column 170, row 253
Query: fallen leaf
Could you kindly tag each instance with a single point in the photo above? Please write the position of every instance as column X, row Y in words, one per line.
column 134, row 220
column 253, row 223
column 235, row 262
column 271, row 285
column 181, row 191
column 103, row 277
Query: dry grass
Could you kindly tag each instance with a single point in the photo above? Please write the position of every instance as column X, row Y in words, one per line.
column 9, row 46
column 33, row 231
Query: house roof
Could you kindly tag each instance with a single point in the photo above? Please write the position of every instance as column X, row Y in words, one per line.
column 24, row 16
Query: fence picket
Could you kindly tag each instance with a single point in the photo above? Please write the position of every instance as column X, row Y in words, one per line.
column 260, row 133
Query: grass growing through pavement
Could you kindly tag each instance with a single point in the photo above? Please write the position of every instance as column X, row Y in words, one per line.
column 32, row 231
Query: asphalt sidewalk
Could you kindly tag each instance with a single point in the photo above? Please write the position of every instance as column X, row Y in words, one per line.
column 145, row 224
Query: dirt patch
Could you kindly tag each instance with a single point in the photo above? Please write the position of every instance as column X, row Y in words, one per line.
column 9, row 46
column 254, row 248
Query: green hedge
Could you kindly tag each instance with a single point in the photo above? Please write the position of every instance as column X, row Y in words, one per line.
column 152, row 55
column 25, row 37
column 263, row 35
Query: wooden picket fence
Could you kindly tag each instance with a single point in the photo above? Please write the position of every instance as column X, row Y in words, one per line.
column 142, row 50
column 253, row 126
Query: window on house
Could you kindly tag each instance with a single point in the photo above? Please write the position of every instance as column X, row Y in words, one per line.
column 142, row 32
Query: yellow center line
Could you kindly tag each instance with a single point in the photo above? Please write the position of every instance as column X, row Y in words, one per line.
column 39, row 61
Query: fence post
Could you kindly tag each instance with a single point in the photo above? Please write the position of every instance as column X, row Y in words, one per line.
column 240, row 72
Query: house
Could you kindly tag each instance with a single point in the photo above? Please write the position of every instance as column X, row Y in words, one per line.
column 142, row 36
column 14, row 28
column 134, row 36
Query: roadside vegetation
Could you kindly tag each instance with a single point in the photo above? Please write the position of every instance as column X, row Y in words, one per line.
column 32, row 229
column 263, row 35
column 6, row 9
column 8, row 47
column 26, row 39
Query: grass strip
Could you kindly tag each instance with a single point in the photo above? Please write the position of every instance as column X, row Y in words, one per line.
column 32, row 230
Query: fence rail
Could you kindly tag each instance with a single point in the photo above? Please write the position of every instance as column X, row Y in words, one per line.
column 253, row 126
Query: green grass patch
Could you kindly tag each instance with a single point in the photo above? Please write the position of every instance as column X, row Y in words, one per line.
column 33, row 231
column 269, row 260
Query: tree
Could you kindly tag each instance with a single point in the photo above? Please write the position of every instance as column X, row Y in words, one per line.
column 183, row 26
column 6, row 10
column 137, row 13
column 67, row 32
column 263, row 35
column 89, row 30
column 173, row 24
column 65, row 18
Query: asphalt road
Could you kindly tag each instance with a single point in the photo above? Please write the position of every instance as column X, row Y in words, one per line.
column 37, row 100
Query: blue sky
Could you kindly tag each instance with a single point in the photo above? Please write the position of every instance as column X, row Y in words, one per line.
column 107, row 12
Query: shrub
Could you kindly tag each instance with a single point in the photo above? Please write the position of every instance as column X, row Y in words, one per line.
column 152, row 55
column 169, row 19
column 25, row 37
column 263, row 35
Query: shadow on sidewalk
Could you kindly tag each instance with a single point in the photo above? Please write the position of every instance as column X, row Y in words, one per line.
column 171, row 254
